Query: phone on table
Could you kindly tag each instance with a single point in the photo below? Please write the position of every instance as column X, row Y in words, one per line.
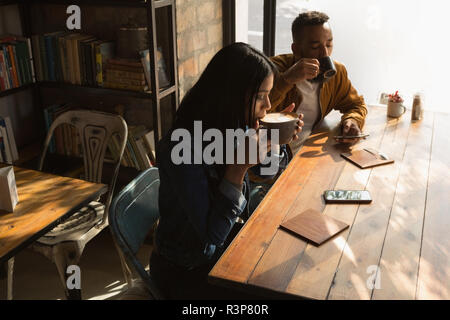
column 347, row 196
column 361, row 136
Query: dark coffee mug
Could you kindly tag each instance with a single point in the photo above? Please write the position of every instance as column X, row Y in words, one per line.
column 327, row 69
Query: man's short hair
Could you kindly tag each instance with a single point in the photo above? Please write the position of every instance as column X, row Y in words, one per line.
column 308, row 18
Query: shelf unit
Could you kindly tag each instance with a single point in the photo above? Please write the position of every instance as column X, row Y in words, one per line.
column 153, row 100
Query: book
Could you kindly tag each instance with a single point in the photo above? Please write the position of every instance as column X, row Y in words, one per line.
column 70, row 64
column 62, row 48
column 57, row 54
column 119, row 67
column 51, row 56
column 114, row 85
column 77, row 56
column 8, row 67
column 103, row 52
column 125, row 62
column 93, row 60
column 6, row 72
column 43, row 55
column 2, row 72
column 37, row 57
column 111, row 77
column 82, row 58
column 23, row 61
column 161, row 72
column 14, row 71
column 18, row 62
column 31, row 60
column 20, row 56
column 88, row 70
column 135, row 75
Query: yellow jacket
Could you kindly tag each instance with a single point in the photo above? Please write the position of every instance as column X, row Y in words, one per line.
column 338, row 93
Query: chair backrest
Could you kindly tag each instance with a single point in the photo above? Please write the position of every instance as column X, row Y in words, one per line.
column 95, row 130
column 132, row 214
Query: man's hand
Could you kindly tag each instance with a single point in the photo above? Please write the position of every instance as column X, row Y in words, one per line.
column 304, row 69
column 350, row 128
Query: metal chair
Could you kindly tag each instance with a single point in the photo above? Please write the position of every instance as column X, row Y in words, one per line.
column 64, row 244
column 133, row 213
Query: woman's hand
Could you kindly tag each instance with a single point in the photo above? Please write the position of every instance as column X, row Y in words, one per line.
column 253, row 154
column 300, row 123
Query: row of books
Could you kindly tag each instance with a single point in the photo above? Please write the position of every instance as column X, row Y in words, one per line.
column 16, row 62
column 74, row 58
column 71, row 57
column 134, row 74
column 8, row 148
column 139, row 152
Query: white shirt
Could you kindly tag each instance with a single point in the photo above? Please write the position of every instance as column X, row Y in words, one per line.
column 310, row 109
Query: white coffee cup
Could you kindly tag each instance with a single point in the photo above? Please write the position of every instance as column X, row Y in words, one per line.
column 395, row 109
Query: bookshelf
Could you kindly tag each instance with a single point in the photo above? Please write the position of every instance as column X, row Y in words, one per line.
column 159, row 104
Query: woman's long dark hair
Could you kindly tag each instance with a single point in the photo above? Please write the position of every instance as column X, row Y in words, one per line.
column 223, row 97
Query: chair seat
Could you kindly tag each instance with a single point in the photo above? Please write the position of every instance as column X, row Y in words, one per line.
column 77, row 223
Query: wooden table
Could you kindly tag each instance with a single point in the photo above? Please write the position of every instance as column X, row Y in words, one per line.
column 44, row 200
column 401, row 240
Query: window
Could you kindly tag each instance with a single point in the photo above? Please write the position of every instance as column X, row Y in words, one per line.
column 250, row 22
column 385, row 45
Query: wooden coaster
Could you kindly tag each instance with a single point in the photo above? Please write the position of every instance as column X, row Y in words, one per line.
column 365, row 159
column 314, row 226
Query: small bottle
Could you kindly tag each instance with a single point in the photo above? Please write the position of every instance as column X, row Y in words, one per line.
column 417, row 108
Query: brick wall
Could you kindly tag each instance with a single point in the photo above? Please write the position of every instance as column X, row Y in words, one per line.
column 199, row 37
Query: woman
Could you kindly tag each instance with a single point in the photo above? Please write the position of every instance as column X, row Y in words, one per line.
column 200, row 203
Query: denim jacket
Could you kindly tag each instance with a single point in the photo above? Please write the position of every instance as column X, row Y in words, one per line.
column 198, row 208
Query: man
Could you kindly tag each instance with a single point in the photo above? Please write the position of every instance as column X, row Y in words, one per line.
column 296, row 83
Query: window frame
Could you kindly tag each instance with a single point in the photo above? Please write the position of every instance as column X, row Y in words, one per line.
column 269, row 24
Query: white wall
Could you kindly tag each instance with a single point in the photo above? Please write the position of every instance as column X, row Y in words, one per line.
column 387, row 45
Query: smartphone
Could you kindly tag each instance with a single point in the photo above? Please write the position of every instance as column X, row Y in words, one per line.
column 363, row 136
column 347, row 196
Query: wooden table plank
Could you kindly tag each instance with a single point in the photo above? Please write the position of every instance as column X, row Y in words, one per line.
column 434, row 266
column 367, row 234
column 316, row 268
column 43, row 200
column 400, row 258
